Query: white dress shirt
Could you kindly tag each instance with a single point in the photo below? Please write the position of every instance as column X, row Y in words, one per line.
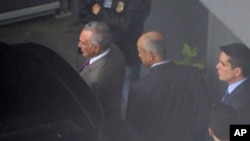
column 93, row 59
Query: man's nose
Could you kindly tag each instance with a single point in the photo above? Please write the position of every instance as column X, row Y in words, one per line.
column 217, row 66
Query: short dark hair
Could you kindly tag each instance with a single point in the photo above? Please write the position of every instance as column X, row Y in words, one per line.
column 221, row 116
column 239, row 56
column 101, row 34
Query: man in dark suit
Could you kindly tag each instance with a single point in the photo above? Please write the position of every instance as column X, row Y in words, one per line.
column 234, row 69
column 105, row 70
column 164, row 104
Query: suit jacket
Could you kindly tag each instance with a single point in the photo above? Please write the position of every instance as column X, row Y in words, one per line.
column 126, row 25
column 105, row 78
column 167, row 102
column 239, row 99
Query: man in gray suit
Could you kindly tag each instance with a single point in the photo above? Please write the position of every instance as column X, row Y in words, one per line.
column 234, row 69
column 104, row 69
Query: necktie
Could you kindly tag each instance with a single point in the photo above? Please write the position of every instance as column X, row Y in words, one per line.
column 226, row 95
column 85, row 64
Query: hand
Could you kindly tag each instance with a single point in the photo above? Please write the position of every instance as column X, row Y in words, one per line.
column 96, row 8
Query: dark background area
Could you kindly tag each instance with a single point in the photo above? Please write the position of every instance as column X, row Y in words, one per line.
column 181, row 21
column 7, row 5
column 55, row 34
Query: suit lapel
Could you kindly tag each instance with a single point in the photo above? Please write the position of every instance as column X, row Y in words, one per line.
column 96, row 65
column 235, row 92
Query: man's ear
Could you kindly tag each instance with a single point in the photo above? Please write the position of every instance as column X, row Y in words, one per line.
column 151, row 55
column 238, row 71
column 97, row 49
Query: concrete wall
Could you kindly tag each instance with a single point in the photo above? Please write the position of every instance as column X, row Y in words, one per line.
column 234, row 14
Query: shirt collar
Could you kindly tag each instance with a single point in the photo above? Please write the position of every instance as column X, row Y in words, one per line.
column 93, row 59
column 233, row 86
column 160, row 63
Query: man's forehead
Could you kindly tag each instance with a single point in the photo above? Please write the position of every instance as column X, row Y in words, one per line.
column 86, row 34
column 224, row 55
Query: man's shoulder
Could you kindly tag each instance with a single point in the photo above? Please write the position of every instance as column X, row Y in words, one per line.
column 112, row 63
column 240, row 95
column 188, row 69
column 161, row 72
column 244, row 87
column 189, row 72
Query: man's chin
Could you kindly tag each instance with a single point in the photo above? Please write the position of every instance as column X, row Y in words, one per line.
column 221, row 79
column 82, row 53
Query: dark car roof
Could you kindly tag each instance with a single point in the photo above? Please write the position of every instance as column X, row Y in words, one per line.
column 41, row 95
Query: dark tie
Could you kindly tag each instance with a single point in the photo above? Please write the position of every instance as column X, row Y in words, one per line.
column 226, row 95
column 85, row 65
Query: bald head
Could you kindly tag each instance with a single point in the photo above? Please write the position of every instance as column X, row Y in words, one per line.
column 152, row 35
column 152, row 47
column 154, row 42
